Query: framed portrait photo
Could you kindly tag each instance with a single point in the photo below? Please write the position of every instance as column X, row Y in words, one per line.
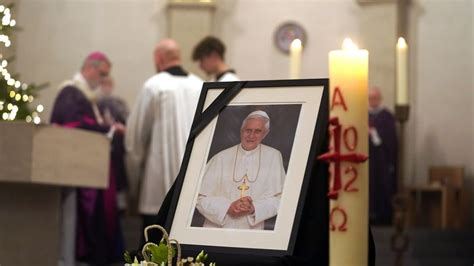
column 248, row 165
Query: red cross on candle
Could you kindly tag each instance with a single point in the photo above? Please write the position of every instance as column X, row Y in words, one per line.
column 337, row 157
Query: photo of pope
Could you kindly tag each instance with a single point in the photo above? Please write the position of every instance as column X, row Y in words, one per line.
column 242, row 185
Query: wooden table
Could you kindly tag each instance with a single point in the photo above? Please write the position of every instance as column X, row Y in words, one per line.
column 432, row 206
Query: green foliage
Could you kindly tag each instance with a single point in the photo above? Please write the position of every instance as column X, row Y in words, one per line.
column 127, row 257
column 16, row 97
column 159, row 253
column 201, row 257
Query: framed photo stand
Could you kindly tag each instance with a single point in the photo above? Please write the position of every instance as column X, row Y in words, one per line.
column 250, row 188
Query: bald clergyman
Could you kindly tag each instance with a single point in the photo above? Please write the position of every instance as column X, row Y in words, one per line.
column 242, row 185
column 158, row 128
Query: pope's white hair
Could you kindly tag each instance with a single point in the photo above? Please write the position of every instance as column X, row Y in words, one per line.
column 260, row 115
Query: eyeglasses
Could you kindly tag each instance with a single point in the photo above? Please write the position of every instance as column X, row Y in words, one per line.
column 103, row 74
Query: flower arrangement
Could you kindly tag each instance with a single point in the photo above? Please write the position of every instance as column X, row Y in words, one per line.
column 163, row 253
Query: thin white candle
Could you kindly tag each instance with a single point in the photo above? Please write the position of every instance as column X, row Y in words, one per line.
column 402, row 72
column 296, row 49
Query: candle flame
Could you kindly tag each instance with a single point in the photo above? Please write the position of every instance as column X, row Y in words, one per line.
column 348, row 44
column 401, row 43
column 296, row 44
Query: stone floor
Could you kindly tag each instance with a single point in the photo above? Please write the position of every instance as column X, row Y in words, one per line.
column 131, row 227
column 428, row 247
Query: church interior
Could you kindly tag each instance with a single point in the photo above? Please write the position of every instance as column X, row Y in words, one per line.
column 433, row 146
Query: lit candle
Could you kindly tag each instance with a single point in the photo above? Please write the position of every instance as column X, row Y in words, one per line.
column 402, row 84
column 348, row 77
column 295, row 58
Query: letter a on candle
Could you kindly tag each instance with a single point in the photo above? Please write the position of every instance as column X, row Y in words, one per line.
column 338, row 99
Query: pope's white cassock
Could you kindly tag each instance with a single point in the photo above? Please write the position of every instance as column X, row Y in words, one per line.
column 223, row 176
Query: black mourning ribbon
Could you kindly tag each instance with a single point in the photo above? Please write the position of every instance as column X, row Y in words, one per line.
column 216, row 107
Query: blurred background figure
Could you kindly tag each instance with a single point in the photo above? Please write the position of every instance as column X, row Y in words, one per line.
column 210, row 52
column 383, row 159
column 115, row 110
column 158, row 129
column 91, row 230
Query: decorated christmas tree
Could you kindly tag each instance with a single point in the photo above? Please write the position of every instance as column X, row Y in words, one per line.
column 16, row 98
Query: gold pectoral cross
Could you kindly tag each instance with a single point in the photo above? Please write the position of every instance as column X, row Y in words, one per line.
column 243, row 187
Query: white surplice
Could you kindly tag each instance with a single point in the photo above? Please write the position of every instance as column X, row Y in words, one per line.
column 228, row 76
column 264, row 168
column 157, row 131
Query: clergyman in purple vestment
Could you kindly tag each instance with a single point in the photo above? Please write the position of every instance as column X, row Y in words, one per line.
column 383, row 160
column 90, row 225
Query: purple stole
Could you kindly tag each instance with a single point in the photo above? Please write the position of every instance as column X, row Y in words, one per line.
column 98, row 234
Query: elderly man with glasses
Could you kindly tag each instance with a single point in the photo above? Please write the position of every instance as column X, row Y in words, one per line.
column 90, row 226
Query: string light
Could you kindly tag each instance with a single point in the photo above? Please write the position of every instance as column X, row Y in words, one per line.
column 40, row 108
column 13, row 113
column 8, row 106
column 6, row 17
column 5, row 39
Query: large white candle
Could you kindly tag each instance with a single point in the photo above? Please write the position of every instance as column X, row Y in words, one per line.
column 296, row 49
column 348, row 74
column 402, row 83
